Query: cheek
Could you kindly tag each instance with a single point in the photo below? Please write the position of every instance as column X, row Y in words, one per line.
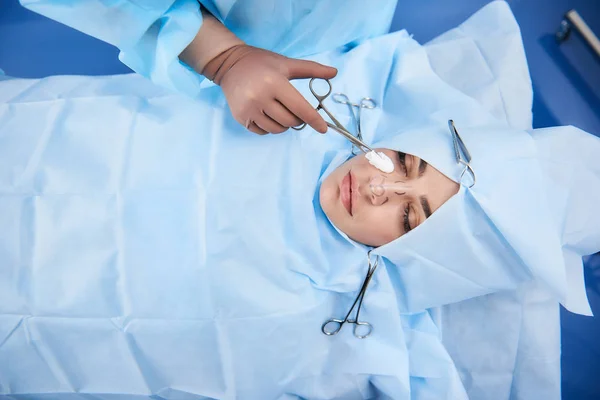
column 381, row 225
column 327, row 196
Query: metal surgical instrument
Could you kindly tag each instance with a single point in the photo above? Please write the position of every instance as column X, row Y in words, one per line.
column 365, row 102
column 336, row 126
column 459, row 150
column 333, row 325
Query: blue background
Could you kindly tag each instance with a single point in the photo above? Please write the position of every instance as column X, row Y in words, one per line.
column 566, row 82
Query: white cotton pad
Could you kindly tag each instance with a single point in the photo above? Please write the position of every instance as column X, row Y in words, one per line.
column 380, row 161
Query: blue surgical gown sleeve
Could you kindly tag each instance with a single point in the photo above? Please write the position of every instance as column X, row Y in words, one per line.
column 150, row 33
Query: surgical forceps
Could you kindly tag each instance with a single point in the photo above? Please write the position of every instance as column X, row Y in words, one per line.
column 336, row 324
column 459, row 149
column 365, row 102
column 338, row 127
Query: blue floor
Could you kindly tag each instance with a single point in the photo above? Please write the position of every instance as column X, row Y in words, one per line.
column 566, row 81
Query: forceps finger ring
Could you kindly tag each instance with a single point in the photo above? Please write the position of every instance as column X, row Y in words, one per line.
column 471, row 172
column 365, row 102
column 368, row 103
column 358, row 327
column 335, row 323
column 320, row 98
column 342, row 99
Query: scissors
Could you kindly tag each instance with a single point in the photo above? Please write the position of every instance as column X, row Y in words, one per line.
column 459, row 149
column 365, row 102
column 338, row 127
column 333, row 325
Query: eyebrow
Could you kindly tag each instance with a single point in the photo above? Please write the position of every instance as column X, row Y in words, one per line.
column 425, row 205
column 422, row 166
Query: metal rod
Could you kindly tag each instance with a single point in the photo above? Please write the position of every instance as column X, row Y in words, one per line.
column 574, row 19
column 358, row 143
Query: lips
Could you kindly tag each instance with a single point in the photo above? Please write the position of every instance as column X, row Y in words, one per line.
column 346, row 193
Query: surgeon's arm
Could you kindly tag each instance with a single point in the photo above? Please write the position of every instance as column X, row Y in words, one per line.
column 212, row 39
column 150, row 34
column 254, row 81
column 153, row 34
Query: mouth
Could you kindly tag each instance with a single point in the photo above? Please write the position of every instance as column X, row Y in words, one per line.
column 346, row 192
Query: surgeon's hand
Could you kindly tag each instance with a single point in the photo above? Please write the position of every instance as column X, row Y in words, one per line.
column 256, row 85
column 256, row 82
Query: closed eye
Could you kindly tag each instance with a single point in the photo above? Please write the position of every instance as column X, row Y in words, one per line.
column 402, row 159
column 407, row 227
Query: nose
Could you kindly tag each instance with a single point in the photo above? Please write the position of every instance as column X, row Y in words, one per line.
column 382, row 189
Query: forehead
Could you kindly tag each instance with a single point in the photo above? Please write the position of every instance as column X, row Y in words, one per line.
column 449, row 172
column 433, row 144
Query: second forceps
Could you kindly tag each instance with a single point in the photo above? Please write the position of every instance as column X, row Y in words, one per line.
column 459, row 149
column 365, row 102
column 336, row 324
column 336, row 126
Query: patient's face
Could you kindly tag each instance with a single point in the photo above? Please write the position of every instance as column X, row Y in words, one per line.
column 373, row 207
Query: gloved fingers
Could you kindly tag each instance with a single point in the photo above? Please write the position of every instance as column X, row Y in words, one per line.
column 267, row 124
column 301, row 108
column 300, row 69
column 280, row 114
column 252, row 127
